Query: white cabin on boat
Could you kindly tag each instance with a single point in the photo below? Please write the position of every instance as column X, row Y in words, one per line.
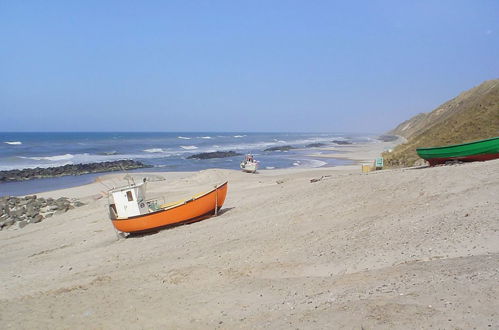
column 128, row 201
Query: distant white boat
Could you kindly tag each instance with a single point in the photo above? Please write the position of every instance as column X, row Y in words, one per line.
column 249, row 164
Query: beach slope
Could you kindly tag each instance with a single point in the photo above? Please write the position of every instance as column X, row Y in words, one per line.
column 321, row 248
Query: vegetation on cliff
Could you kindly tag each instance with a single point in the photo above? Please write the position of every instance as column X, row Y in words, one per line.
column 473, row 115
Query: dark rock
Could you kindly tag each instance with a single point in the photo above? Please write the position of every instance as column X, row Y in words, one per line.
column 22, row 223
column 280, row 148
column 7, row 223
column 4, row 207
column 387, row 138
column 73, row 169
column 315, row 145
column 341, row 142
column 18, row 212
column 36, row 218
column 31, row 211
column 216, row 154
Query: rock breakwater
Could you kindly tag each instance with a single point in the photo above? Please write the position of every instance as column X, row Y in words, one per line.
column 215, row 154
column 72, row 169
column 21, row 211
column 280, row 148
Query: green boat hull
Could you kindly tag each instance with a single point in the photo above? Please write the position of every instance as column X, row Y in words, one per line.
column 467, row 152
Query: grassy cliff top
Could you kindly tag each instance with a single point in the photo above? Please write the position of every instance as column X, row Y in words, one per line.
column 473, row 115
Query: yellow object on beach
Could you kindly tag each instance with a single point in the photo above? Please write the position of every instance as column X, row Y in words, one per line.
column 366, row 168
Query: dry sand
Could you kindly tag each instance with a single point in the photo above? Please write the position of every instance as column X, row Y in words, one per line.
column 404, row 249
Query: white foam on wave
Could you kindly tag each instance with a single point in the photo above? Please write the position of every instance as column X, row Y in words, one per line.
column 313, row 163
column 154, row 150
column 269, row 167
column 13, row 143
column 239, row 136
column 56, row 158
column 206, row 137
column 188, row 147
column 84, row 158
column 317, row 163
column 183, row 138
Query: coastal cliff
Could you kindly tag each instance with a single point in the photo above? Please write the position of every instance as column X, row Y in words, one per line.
column 473, row 115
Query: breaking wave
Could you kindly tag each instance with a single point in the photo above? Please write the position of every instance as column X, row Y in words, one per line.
column 57, row 158
column 154, row 150
column 188, row 147
column 13, row 143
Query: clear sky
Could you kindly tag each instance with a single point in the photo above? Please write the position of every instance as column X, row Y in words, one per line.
column 354, row 66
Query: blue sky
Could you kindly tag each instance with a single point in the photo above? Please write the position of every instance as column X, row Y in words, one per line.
column 357, row 66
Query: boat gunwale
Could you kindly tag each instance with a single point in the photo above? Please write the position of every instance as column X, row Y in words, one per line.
column 174, row 206
column 458, row 145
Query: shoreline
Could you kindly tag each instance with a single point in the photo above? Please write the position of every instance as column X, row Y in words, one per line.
column 360, row 153
column 36, row 186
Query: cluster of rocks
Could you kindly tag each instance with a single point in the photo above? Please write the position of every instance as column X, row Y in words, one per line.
column 280, row 148
column 72, row 169
column 315, row 145
column 341, row 142
column 20, row 211
column 215, row 154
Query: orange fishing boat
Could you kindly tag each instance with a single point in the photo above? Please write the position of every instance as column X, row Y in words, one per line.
column 130, row 212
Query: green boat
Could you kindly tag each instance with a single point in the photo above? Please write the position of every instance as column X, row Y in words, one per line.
column 467, row 152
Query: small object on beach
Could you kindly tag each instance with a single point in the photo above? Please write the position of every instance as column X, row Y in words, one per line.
column 378, row 163
column 366, row 168
column 316, row 180
column 249, row 164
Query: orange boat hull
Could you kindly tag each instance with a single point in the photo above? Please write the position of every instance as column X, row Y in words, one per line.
column 191, row 210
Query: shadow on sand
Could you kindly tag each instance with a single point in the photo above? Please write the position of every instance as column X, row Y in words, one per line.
column 157, row 230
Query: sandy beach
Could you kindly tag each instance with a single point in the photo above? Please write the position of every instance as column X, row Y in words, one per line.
column 405, row 249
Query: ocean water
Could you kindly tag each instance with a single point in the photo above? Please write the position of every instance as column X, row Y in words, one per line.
column 164, row 151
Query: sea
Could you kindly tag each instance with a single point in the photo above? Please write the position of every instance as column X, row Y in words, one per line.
column 164, row 151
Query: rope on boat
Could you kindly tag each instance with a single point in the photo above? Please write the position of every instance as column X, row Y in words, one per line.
column 216, row 200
